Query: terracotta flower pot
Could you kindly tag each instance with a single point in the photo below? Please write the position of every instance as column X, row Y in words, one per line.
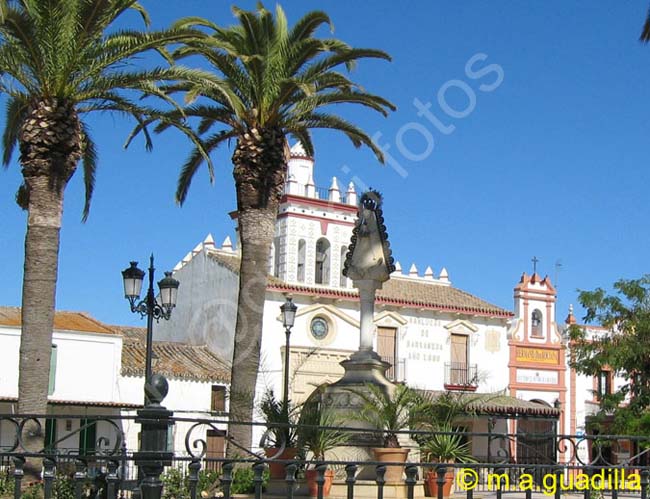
column 312, row 485
column 390, row 455
column 276, row 469
column 431, row 483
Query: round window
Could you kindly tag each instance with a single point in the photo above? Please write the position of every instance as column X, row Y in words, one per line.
column 319, row 328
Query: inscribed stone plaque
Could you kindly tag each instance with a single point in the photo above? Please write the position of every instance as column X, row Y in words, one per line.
column 492, row 341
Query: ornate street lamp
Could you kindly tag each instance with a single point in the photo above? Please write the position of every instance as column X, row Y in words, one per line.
column 288, row 309
column 149, row 306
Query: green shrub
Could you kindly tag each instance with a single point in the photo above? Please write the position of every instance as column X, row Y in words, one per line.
column 6, row 483
column 207, row 481
column 33, row 491
column 63, row 487
column 242, row 480
column 175, row 484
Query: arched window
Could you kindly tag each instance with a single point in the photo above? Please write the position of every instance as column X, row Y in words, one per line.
column 322, row 274
column 301, row 261
column 276, row 257
column 343, row 282
column 536, row 329
column 272, row 258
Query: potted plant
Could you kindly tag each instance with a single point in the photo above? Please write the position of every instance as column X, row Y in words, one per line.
column 280, row 435
column 318, row 433
column 445, row 446
column 388, row 409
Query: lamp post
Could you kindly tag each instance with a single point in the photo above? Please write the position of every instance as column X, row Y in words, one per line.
column 149, row 306
column 288, row 309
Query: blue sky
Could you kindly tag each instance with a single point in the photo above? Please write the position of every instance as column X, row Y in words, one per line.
column 548, row 159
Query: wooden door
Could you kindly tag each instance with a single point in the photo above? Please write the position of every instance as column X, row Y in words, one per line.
column 216, row 449
column 386, row 348
column 458, row 368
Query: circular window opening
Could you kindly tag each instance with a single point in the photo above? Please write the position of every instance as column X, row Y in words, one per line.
column 319, row 328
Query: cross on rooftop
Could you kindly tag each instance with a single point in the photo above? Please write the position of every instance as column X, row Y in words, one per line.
column 535, row 260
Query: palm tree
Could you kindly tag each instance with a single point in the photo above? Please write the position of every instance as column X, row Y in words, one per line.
column 275, row 80
column 58, row 64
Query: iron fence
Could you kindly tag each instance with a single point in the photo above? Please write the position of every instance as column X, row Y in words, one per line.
column 589, row 465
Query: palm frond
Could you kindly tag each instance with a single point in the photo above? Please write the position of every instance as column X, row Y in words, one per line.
column 15, row 111
column 196, row 159
column 645, row 32
column 307, row 25
column 357, row 136
column 89, row 165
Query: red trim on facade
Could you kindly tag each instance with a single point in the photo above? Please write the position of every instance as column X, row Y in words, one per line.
column 349, row 295
column 321, row 203
column 287, row 214
column 526, row 280
column 526, row 295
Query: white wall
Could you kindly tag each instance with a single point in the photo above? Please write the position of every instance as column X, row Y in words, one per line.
column 424, row 342
column 187, row 399
column 87, row 365
column 206, row 307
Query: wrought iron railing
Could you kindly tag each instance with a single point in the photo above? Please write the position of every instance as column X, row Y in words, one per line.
column 619, row 464
column 460, row 374
column 397, row 370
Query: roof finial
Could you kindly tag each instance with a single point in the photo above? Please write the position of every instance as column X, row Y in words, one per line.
column 535, row 260
column 227, row 244
column 570, row 318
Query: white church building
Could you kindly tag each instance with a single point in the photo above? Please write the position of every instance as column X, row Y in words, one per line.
column 436, row 337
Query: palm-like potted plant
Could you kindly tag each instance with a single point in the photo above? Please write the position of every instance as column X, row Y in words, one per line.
column 388, row 409
column 281, row 437
column 319, row 432
column 445, row 444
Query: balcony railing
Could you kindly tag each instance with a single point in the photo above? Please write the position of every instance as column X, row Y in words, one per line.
column 461, row 376
column 397, row 371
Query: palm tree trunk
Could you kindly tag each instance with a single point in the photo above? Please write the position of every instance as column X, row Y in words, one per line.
column 38, row 305
column 256, row 228
column 260, row 161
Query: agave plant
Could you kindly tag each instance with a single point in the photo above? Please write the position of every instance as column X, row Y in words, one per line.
column 280, row 420
column 319, row 430
column 446, row 445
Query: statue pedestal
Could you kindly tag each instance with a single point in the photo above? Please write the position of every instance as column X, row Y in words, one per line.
column 362, row 368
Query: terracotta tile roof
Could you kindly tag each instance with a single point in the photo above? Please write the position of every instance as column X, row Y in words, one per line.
column 174, row 360
column 231, row 262
column 506, row 405
column 407, row 293
column 400, row 291
column 492, row 404
column 63, row 321
column 81, row 403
